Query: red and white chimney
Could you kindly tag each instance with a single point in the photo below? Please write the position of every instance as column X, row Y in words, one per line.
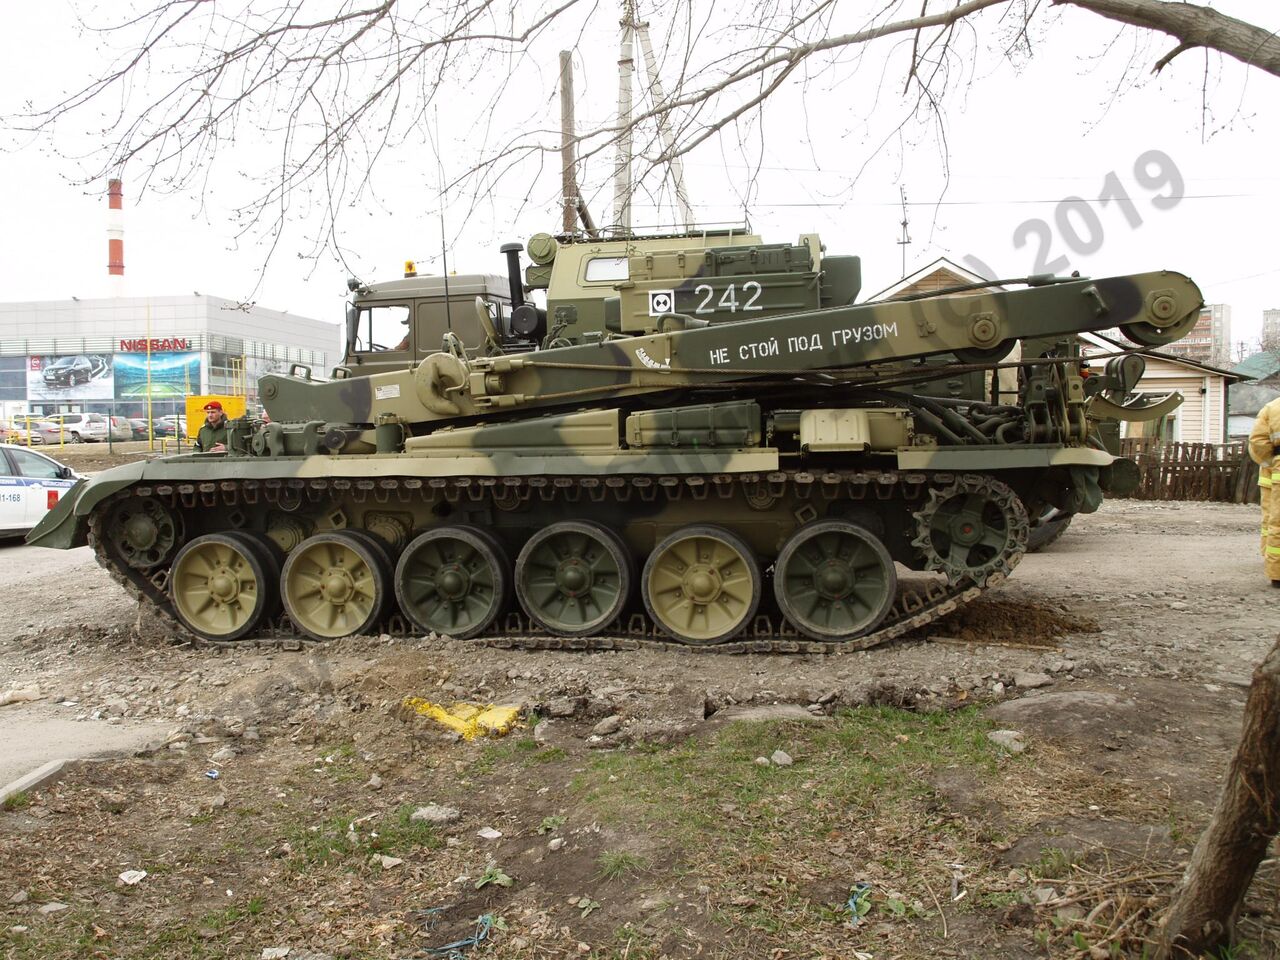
column 115, row 238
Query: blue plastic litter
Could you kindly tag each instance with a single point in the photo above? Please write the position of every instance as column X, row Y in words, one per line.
column 454, row 951
column 859, row 903
column 212, row 774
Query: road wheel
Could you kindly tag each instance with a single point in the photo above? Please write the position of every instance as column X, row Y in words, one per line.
column 1052, row 525
column 335, row 584
column 273, row 562
column 75, row 437
column 834, row 580
column 453, row 580
column 574, row 577
column 701, row 585
column 220, row 586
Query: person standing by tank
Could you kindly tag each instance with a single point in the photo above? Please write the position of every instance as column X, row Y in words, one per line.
column 1264, row 444
column 212, row 437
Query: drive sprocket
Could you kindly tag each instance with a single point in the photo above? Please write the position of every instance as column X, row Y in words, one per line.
column 971, row 529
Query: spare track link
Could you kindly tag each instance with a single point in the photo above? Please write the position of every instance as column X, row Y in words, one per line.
column 911, row 611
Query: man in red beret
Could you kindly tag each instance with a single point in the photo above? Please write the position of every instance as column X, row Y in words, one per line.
column 212, row 437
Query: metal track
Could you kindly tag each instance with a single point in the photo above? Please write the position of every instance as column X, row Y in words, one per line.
column 913, row 609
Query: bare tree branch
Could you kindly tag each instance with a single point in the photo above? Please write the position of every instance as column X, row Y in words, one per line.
column 334, row 93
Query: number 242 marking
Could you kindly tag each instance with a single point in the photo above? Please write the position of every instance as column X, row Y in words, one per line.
column 729, row 299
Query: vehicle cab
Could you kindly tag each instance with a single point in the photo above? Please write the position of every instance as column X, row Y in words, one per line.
column 395, row 324
column 30, row 486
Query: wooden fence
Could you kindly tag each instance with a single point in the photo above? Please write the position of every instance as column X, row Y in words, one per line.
column 1193, row 471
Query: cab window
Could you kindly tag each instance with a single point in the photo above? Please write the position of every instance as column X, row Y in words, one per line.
column 384, row 327
column 607, row 268
column 35, row 466
column 431, row 325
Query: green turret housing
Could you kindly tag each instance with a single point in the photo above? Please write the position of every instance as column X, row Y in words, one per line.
column 697, row 438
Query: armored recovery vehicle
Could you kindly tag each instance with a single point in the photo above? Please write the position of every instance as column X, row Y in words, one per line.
column 700, row 439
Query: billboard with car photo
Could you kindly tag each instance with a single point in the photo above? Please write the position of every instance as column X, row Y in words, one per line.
column 70, row 377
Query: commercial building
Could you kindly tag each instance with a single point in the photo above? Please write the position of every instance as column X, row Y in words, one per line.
column 115, row 355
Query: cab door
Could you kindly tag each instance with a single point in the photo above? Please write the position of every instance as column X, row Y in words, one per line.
column 43, row 482
column 13, row 496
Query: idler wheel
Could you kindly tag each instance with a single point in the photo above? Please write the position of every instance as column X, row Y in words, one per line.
column 453, row 580
column 701, row 585
column 573, row 577
column 144, row 531
column 336, row 584
column 834, row 580
column 221, row 585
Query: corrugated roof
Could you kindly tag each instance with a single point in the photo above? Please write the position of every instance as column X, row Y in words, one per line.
column 1260, row 366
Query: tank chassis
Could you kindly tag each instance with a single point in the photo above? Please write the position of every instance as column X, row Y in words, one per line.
column 682, row 463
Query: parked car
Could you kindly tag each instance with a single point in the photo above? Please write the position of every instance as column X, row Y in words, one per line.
column 138, row 428
column 71, row 371
column 51, row 431
column 30, row 486
column 77, row 428
column 120, row 429
column 171, row 426
column 15, row 431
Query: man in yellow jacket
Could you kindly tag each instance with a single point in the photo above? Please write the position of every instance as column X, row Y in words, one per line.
column 1264, row 442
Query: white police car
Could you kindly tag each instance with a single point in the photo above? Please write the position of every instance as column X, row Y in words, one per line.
column 30, row 486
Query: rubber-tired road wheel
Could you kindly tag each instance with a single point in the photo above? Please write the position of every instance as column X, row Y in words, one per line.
column 220, row 586
column 453, row 580
column 336, row 584
column 574, row 577
column 272, row 558
column 834, row 580
column 701, row 585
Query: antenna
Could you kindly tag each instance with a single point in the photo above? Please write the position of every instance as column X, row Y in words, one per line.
column 444, row 253
column 906, row 237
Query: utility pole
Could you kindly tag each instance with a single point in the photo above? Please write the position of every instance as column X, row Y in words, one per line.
column 906, row 237
column 568, row 180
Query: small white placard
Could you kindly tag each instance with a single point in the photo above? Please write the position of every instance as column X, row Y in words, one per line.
column 389, row 392
column 661, row 301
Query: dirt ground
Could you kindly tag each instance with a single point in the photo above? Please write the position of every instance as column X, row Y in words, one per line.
column 652, row 805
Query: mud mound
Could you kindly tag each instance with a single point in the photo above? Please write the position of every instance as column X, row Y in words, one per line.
column 1003, row 621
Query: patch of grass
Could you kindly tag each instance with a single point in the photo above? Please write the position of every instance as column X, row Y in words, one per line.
column 629, row 944
column 700, row 792
column 1054, row 863
column 518, row 750
column 16, row 801
column 334, row 840
column 616, row 864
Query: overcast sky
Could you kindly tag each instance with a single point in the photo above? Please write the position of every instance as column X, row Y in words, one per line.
column 1194, row 150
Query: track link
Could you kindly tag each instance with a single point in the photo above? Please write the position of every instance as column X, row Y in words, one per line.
column 913, row 608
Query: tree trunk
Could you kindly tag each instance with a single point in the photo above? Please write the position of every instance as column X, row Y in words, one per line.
column 1203, row 913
